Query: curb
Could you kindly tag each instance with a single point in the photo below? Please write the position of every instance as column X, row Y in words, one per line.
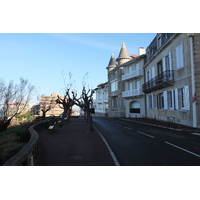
column 109, row 148
column 174, row 129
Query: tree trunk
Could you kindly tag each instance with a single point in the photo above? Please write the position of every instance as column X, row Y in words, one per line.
column 43, row 114
column 68, row 115
column 89, row 119
column 4, row 125
column 63, row 117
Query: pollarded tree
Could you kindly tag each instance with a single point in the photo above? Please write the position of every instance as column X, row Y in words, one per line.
column 13, row 100
column 66, row 104
column 85, row 102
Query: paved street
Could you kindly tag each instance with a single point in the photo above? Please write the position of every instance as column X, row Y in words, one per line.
column 136, row 144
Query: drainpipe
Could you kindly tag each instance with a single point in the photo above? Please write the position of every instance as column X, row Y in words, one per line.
column 194, row 113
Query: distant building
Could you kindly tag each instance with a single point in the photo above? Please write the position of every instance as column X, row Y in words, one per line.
column 18, row 108
column 75, row 113
column 35, row 110
column 101, row 104
column 46, row 101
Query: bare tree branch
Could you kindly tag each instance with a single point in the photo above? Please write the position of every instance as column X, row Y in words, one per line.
column 17, row 95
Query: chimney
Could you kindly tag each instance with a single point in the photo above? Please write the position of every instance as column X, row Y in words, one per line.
column 141, row 51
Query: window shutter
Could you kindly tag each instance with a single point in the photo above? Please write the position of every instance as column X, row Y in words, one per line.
column 172, row 99
column 176, row 99
column 186, row 97
column 179, row 56
column 170, row 61
column 150, row 74
column 163, row 64
column 147, row 76
column 165, row 99
column 153, row 72
column 130, row 86
column 138, row 85
column 147, row 98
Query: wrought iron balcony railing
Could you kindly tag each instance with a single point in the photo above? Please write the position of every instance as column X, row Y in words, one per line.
column 163, row 80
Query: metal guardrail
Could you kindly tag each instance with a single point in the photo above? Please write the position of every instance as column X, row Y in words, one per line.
column 29, row 154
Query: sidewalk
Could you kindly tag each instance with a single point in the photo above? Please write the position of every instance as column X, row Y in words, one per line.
column 73, row 145
column 163, row 124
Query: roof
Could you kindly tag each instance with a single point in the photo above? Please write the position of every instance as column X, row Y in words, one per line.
column 123, row 54
column 16, row 103
column 136, row 59
column 134, row 56
column 101, row 85
column 112, row 62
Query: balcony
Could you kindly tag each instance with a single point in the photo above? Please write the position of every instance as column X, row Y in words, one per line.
column 163, row 80
column 131, row 75
column 102, row 100
column 132, row 93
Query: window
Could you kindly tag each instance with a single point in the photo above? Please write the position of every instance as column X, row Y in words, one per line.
column 154, row 102
column 150, row 101
column 158, row 42
column 170, row 99
column 153, row 72
column 179, row 57
column 160, row 67
column 167, row 65
column 182, row 98
column 161, row 100
column 129, row 69
column 114, row 86
column 130, row 86
column 137, row 84
column 148, row 75
column 112, row 103
column 160, row 71
column 137, row 66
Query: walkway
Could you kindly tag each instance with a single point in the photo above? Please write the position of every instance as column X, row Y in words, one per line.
column 73, row 145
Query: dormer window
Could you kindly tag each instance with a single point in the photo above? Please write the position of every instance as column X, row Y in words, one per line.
column 159, row 42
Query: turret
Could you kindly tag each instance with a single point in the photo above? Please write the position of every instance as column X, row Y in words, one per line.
column 112, row 63
column 123, row 55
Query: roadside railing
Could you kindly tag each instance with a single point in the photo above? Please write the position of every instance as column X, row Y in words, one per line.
column 30, row 153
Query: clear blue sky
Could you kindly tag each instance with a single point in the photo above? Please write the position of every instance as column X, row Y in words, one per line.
column 43, row 58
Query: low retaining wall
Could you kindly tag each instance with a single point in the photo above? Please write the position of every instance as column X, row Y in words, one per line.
column 29, row 154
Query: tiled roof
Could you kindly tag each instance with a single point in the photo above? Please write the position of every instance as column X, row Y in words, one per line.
column 134, row 56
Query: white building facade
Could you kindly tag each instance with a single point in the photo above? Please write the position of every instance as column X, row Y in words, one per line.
column 133, row 79
column 101, row 109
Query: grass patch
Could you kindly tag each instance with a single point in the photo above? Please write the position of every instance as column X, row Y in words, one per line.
column 12, row 140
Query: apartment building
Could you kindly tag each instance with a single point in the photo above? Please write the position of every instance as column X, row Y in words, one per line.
column 133, row 79
column 171, row 78
column 101, row 109
column 21, row 108
column 50, row 101
column 115, row 83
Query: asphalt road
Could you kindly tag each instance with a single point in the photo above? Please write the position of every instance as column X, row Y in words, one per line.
column 136, row 144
